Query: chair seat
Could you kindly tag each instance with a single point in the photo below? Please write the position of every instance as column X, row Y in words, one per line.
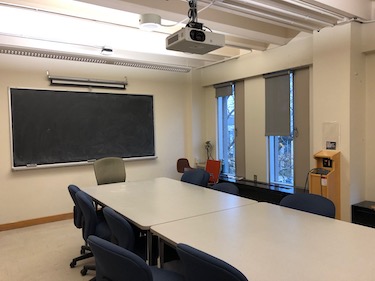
column 165, row 275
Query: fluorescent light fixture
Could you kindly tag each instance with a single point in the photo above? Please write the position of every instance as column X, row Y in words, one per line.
column 284, row 11
column 73, row 81
column 91, row 59
column 298, row 14
column 316, row 9
column 149, row 22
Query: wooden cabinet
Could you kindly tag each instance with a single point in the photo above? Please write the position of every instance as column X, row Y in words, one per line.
column 325, row 178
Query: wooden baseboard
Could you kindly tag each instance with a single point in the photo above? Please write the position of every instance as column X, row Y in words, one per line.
column 26, row 223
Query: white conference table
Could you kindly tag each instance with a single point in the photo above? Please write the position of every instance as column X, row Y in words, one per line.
column 269, row 242
column 156, row 201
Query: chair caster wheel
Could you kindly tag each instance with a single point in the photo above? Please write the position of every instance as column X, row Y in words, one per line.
column 72, row 264
column 83, row 271
column 83, row 252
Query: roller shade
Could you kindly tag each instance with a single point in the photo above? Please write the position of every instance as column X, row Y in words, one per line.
column 277, row 104
column 223, row 90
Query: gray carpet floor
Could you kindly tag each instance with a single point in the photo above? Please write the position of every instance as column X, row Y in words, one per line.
column 42, row 253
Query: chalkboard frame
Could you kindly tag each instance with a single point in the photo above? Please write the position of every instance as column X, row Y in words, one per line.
column 104, row 113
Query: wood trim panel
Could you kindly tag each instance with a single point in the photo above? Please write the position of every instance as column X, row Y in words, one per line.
column 26, row 223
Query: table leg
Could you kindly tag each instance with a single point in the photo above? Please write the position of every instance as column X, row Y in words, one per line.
column 161, row 252
column 149, row 248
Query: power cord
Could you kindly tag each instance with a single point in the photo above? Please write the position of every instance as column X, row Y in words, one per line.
column 307, row 179
column 192, row 13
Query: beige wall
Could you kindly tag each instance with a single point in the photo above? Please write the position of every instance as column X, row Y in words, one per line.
column 339, row 96
column 294, row 54
column 43, row 192
column 368, row 46
column 331, row 97
column 210, row 123
column 370, row 128
column 255, row 141
column 357, row 118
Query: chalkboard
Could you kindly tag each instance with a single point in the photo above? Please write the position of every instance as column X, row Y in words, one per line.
column 55, row 127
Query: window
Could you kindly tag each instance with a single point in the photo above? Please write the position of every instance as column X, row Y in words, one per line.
column 231, row 128
column 226, row 128
column 281, row 147
column 281, row 160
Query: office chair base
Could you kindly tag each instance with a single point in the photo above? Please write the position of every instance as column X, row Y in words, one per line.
column 85, row 256
column 83, row 271
column 85, row 249
column 87, row 268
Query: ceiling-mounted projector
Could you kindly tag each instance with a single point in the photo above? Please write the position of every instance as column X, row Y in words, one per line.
column 195, row 41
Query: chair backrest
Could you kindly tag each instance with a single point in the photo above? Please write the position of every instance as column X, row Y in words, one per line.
column 77, row 213
column 116, row 263
column 93, row 225
column 227, row 187
column 200, row 266
column 109, row 170
column 213, row 167
column 183, row 165
column 121, row 229
column 196, row 176
column 89, row 213
column 311, row 203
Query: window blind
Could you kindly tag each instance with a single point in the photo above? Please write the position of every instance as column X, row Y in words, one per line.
column 224, row 89
column 277, row 104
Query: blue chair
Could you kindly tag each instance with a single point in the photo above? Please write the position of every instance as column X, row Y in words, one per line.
column 93, row 223
column 226, row 187
column 200, row 266
column 196, row 176
column 311, row 203
column 78, row 223
column 118, row 264
column 123, row 234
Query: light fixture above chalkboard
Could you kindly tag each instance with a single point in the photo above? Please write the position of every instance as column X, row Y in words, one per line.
column 86, row 82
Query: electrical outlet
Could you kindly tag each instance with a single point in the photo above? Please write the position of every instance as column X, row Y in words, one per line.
column 196, row 159
column 255, row 177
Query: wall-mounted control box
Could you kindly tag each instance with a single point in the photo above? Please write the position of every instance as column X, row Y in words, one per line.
column 327, row 163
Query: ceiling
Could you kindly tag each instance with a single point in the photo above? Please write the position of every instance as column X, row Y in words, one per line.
column 79, row 30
